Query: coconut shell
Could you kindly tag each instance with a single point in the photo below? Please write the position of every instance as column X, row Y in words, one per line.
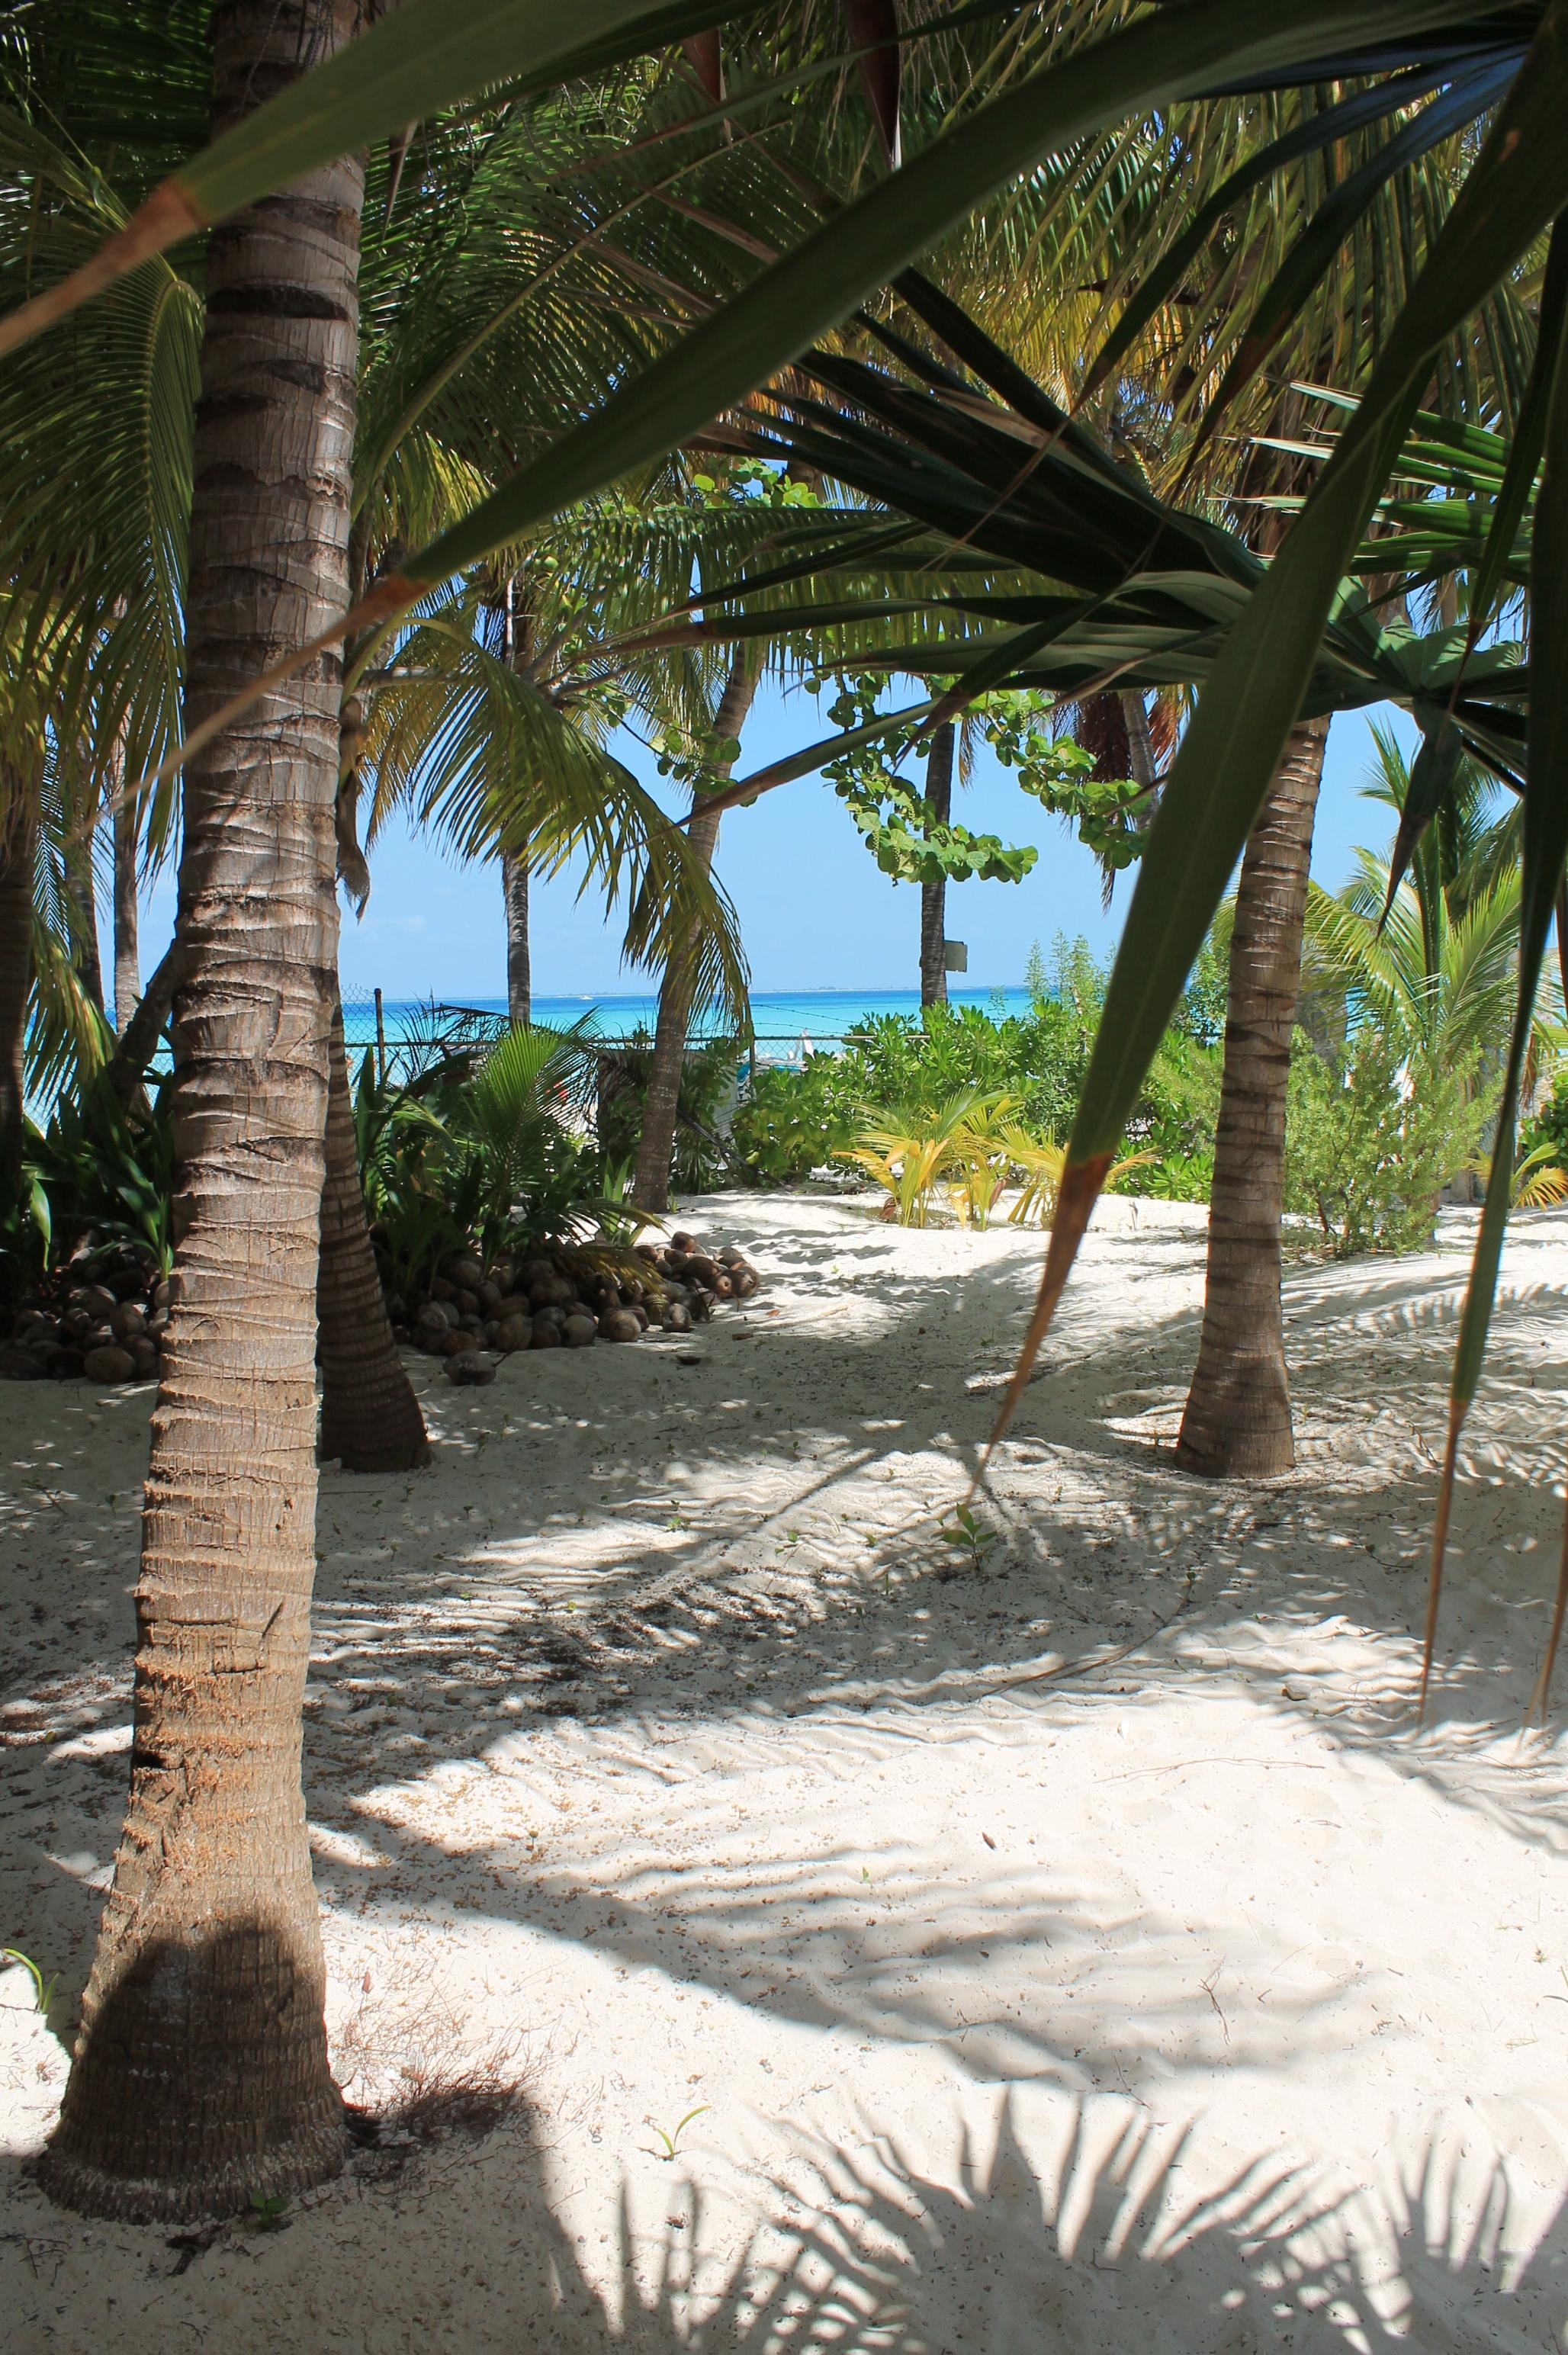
column 452, row 1344
column 579, row 1331
column 513, row 1332
column 109, row 1365
column 743, row 1281
column 470, row 1366
column 464, row 1271
column 546, row 1335
column 681, row 1242
column 676, row 1317
column 621, row 1324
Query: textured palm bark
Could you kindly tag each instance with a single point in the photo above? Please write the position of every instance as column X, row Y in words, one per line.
column 81, row 886
column 519, row 978
column 370, row 1417
column 933, row 896
column 656, row 1148
column 19, row 841
column 139, row 1041
column 1237, row 1421
column 127, row 954
column 200, row 2078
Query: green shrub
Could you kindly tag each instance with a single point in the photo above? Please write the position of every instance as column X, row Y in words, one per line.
column 1372, row 1137
column 99, row 1175
column 795, row 1121
column 488, row 1149
column 792, row 1121
column 707, row 1080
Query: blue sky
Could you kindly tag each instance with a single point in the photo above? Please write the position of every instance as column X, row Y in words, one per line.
column 815, row 913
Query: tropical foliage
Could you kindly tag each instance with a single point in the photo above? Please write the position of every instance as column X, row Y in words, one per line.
column 1278, row 429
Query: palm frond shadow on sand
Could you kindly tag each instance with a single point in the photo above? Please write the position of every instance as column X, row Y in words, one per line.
column 886, row 2261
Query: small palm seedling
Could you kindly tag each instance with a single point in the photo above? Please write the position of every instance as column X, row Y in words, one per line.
column 909, row 1150
column 269, row 2214
column 967, row 1531
column 43, row 1988
column 1539, row 1184
column 672, row 2141
column 1039, row 1163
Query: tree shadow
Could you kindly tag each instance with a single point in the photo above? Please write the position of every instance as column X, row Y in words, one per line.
column 1014, row 2230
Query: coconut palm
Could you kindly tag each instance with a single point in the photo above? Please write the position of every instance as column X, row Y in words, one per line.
column 201, row 2074
column 678, row 987
column 1433, row 959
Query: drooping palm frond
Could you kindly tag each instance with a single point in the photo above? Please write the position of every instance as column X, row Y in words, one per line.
column 481, row 757
column 95, row 423
column 1445, row 981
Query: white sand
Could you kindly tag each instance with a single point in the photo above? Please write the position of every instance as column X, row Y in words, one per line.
column 1080, row 1949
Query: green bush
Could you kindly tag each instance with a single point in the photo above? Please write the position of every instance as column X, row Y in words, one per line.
column 707, row 1080
column 1373, row 1134
column 98, row 1176
column 488, row 1148
column 792, row 1121
column 795, row 1121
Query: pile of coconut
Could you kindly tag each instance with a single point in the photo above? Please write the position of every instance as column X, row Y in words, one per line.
column 102, row 1317
column 566, row 1299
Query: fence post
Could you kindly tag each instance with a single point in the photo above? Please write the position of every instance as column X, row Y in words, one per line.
column 380, row 1041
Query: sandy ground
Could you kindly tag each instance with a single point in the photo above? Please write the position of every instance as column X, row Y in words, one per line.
column 1076, row 1947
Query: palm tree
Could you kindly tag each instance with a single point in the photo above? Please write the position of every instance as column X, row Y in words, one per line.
column 201, row 2076
column 127, row 954
column 678, row 989
column 18, row 829
column 1432, row 959
column 1237, row 1419
column 933, row 896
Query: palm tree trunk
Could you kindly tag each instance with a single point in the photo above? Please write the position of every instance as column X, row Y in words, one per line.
column 370, row 1417
column 81, row 884
column 200, row 2079
column 933, row 896
column 655, row 1149
column 19, row 848
column 127, row 959
column 1237, row 1421
column 519, row 632
column 515, row 894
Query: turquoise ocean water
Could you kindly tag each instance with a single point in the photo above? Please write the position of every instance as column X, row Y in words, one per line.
column 789, row 1023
